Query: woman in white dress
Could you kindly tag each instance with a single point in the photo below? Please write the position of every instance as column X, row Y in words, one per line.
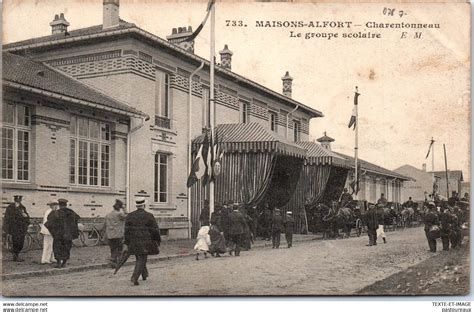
column 48, row 255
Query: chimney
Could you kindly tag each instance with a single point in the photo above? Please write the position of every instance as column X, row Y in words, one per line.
column 59, row 24
column 226, row 57
column 325, row 141
column 423, row 167
column 110, row 16
column 287, row 84
column 178, row 37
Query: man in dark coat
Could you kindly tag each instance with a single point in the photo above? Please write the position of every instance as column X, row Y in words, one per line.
column 277, row 228
column 62, row 223
column 253, row 216
column 15, row 226
column 289, row 224
column 431, row 219
column 446, row 220
column 452, row 201
column 236, row 230
column 141, row 237
column 372, row 222
column 382, row 200
column 456, row 230
column 409, row 203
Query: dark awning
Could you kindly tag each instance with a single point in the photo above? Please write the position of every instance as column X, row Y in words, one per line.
column 251, row 138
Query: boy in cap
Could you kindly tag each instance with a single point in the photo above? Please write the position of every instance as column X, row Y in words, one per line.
column 289, row 224
column 15, row 225
column 114, row 227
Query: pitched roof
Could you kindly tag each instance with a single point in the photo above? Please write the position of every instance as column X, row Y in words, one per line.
column 98, row 33
column 23, row 73
column 250, row 138
column 456, row 174
column 316, row 154
column 370, row 167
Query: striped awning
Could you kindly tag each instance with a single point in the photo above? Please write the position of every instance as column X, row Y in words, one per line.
column 318, row 155
column 250, row 138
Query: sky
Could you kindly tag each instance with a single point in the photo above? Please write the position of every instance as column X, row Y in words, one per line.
column 411, row 89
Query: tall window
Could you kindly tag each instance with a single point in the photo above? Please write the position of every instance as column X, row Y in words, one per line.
column 162, row 99
column 245, row 107
column 296, row 130
column 205, row 108
column 16, row 132
column 161, row 178
column 272, row 118
column 89, row 158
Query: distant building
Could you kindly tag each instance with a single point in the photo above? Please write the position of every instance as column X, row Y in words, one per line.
column 420, row 184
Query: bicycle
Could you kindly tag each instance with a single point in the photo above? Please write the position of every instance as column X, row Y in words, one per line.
column 90, row 234
column 33, row 236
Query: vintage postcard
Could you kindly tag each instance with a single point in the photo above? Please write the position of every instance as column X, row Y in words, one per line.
column 221, row 148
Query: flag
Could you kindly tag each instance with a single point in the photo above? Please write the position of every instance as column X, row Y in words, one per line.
column 355, row 185
column 429, row 148
column 353, row 120
column 200, row 27
column 206, row 159
column 196, row 170
column 217, row 157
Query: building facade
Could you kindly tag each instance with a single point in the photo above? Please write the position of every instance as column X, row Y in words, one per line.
column 153, row 75
column 61, row 138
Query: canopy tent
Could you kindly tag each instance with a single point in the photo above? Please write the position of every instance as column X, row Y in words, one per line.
column 322, row 179
column 257, row 167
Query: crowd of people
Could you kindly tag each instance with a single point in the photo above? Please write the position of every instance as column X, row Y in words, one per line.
column 136, row 233
column 233, row 227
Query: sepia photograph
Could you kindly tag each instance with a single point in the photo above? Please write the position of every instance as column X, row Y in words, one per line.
column 224, row 148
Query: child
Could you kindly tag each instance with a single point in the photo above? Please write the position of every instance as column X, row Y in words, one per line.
column 203, row 241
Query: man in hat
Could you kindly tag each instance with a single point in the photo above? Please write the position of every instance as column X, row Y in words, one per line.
column 142, row 238
column 48, row 254
column 277, row 228
column 452, row 201
column 446, row 221
column 266, row 222
column 62, row 224
column 431, row 219
column 236, row 229
column 372, row 222
column 114, row 227
column 289, row 224
column 15, row 225
column 382, row 200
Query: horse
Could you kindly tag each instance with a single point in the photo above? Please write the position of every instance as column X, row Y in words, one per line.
column 407, row 217
column 345, row 220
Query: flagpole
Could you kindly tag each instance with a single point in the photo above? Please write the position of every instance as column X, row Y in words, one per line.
column 432, row 161
column 446, row 168
column 211, row 99
column 356, row 147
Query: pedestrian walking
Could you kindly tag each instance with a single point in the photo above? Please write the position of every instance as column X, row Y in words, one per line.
column 277, row 228
column 217, row 246
column 289, row 224
column 15, row 225
column 381, row 219
column 203, row 240
column 48, row 254
column 431, row 226
column 114, row 229
column 253, row 221
column 372, row 222
column 62, row 224
column 247, row 236
column 141, row 238
column 236, row 230
column 446, row 221
column 456, row 230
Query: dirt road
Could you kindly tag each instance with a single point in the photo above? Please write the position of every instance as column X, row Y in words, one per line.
column 331, row 267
